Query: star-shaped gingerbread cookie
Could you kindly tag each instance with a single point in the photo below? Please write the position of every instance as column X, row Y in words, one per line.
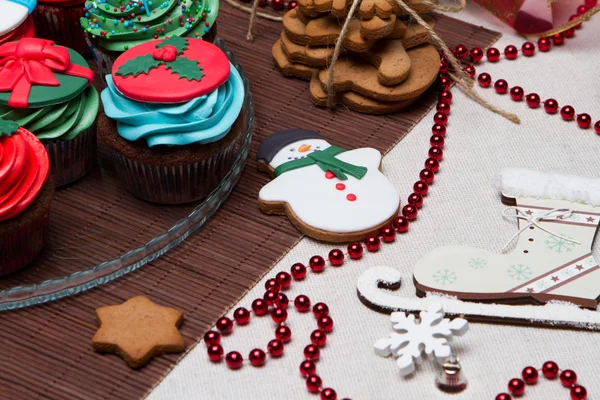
column 138, row 330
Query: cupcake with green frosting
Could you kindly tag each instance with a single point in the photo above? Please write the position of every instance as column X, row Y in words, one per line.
column 114, row 26
column 59, row 105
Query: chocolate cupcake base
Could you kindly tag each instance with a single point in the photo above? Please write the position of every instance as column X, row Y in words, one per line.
column 170, row 174
column 61, row 25
column 72, row 159
column 22, row 238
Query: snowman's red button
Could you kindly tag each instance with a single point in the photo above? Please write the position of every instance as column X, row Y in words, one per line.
column 351, row 197
column 340, row 186
column 329, row 175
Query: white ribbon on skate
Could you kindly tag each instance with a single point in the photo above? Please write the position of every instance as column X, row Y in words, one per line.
column 535, row 217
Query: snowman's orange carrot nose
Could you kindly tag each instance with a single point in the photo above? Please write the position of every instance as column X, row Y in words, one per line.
column 303, row 148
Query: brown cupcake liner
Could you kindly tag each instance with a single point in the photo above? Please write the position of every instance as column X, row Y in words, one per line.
column 71, row 159
column 174, row 184
column 61, row 25
column 19, row 246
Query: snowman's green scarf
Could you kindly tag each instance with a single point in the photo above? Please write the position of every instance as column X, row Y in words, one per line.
column 327, row 161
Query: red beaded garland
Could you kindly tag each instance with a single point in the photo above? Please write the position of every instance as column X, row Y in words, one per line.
column 272, row 284
column 436, row 153
column 470, row 70
column 444, row 67
column 279, row 315
column 275, row 348
column 426, row 175
column 355, row 251
column 569, row 33
column 461, row 51
column 225, row 325
column 501, row 86
column 317, row 263
column 568, row 378
column 420, row 188
column 432, row 164
column 313, row 383
column 445, row 81
column 558, row 39
column 388, row 234
column 302, row 303
column 283, row 333
column 307, row 368
column 241, row 316
column 493, row 54
column 415, row 200
column 550, row 369
column 503, row 396
column 582, row 9
column 516, row 387
column 511, row 52
column 517, row 93
column 438, row 129
column 328, row 394
column 476, row 54
column 318, row 337
column 270, row 297
column 260, row 307
column 215, row 352
column 401, row 224
column 298, row 271
column 567, row 113
column 597, row 127
column 530, row 375
column 410, row 212
column 277, row 4
column 312, row 352
column 446, row 95
column 578, row 393
column 282, row 300
column 551, row 106
column 372, row 243
column 584, row 121
column 484, row 79
column 440, row 118
column 292, row 4
column 212, row 338
column 257, row 357
column 437, row 140
column 528, row 49
column 533, row 100
column 443, row 107
column 284, row 279
column 544, row 44
column 234, row 360
column 320, row 310
column 336, row 257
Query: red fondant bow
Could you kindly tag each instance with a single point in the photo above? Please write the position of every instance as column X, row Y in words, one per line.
column 32, row 61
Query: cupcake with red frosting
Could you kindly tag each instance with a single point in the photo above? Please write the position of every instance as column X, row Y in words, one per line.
column 47, row 89
column 26, row 191
column 58, row 20
column 15, row 20
column 172, row 118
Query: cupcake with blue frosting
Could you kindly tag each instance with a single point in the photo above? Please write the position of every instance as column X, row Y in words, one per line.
column 172, row 118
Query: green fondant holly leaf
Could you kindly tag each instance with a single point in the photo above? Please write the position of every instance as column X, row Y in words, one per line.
column 7, row 128
column 186, row 68
column 139, row 65
column 181, row 44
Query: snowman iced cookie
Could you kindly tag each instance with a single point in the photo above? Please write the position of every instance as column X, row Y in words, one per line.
column 328, row 193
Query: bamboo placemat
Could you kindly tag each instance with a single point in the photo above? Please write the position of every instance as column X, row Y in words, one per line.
column 46, row 350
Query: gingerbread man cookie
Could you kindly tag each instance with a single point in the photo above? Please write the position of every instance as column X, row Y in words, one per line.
column 326, row 191
column 355, row 75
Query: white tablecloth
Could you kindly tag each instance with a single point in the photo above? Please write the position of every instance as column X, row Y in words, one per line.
column 461, row 208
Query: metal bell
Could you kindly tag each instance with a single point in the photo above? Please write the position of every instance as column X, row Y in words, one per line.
column 451, row 379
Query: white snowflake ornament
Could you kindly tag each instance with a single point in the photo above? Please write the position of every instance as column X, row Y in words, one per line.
column 411, row 337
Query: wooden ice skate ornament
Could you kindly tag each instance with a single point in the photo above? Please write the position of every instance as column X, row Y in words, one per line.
column 552, row 260
column 374, row 290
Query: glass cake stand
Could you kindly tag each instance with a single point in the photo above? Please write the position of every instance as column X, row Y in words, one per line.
column 99, row 232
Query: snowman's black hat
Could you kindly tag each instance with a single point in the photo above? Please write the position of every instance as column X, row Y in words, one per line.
column 271, row 145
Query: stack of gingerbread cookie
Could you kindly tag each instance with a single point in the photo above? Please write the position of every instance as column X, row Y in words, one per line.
column 385, row 64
